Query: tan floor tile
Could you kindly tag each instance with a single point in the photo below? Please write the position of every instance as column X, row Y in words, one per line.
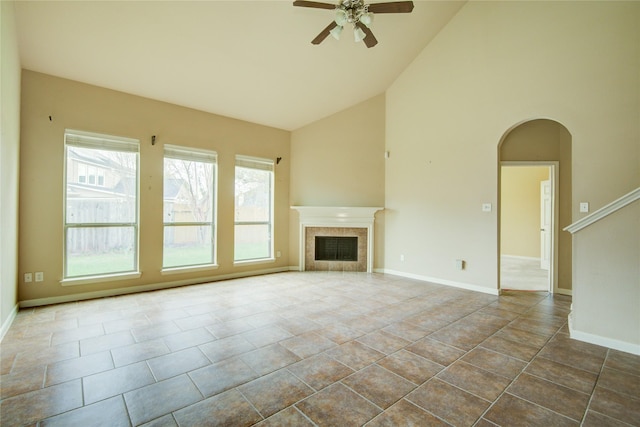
column 514, row 349
column 595, row 419
column 319, row 371
column 383, row 342
column 36, row 405
column 340, row 333
column 616, row 405
column 380, row 386
column 474, row 380
column 227, row 409
column 560, row 399
column 266, row 335
column 337, row 405
column 289, row 417
column 448, row 402
column 436, row 351
column 515, row 412
column 105, row 342
column 28, row 359
column 567, row 376
column 625, row 362
column 22, row 381
column 79, row 367
column 268, row 359
column 497, row 363
column 176, row 363
column 274, row 392
column 222, row 376
column 116, row 381
column 355, row 355
column 620, row 382
column 405, row 413
column 138, row 352
column 152, row 401
column 93, row 415
column 409, row 365
column 307, row 344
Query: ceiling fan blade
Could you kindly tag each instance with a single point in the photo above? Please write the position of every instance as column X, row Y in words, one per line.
column 369, row 40
column 314, row 4
column 324, row 33
column 392, row 7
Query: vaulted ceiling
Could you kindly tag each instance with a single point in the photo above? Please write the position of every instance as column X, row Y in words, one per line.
column 250, row 60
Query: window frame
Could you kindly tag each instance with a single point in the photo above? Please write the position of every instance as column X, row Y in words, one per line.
column 195, row 155
column 258, row 163
column 97, row 141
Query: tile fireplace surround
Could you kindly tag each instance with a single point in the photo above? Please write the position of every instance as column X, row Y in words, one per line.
column 336, row 221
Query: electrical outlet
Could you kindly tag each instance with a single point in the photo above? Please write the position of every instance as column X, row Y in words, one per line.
column 486, row 207
column 402, row 258
column 278, row 254
column 28, row 277
column 39, row 276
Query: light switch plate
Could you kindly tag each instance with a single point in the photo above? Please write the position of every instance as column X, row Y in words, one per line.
column 584, row 207
column 486, row 207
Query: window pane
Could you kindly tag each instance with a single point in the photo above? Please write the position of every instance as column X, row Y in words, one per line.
column 252, row 241
column 188, row 191
column 114, row 199
column 100, row 250
column 253, row 195
column 187, row 245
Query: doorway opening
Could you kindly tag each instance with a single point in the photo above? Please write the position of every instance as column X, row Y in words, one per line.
column 546, row 144
column 527, row 195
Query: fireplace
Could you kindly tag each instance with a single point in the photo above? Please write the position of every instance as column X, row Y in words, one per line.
column 332, row 225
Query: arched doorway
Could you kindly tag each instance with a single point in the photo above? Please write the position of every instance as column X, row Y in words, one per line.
column 539, row 150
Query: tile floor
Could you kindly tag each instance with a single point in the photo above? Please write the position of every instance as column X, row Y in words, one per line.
column 304, row 349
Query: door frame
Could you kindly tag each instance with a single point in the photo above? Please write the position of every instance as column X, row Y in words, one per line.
column 554, row 177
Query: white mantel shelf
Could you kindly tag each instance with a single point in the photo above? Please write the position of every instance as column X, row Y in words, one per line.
column 337, row 216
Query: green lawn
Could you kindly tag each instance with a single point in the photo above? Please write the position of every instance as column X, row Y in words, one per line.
column 90, row 265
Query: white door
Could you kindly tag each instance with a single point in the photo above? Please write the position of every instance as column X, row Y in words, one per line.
column 545, row 224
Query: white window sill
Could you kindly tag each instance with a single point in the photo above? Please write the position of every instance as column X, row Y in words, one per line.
column 89, row 280
column 188, row 269
column 254, row 261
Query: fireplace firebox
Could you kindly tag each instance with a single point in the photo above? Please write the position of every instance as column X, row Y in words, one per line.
column 336, row 248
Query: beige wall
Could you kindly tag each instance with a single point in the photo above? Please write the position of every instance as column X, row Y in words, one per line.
column 606, row 299
column 339, row 161
column 495, row 65
column 9, row 161
column 520, row 210
column 78, row 106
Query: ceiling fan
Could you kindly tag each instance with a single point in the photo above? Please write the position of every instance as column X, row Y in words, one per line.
column 354, row 12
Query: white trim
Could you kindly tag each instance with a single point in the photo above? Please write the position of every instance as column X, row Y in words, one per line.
column 188, row 269
column 143, row 288
column 567, row 292
column 467, row 286
column 604, row 211
column 90, row 280
column 242, row 263
column 7, row 323
column 627, row 347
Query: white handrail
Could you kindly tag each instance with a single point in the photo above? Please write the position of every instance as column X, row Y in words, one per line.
column 604, row 211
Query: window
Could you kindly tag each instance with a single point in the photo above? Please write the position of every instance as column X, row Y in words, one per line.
column 100, row 223
column 253, row 209
column 189, row 208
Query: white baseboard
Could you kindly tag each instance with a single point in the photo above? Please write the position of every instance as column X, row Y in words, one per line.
column 7, row 323
column 567, row 292
column 143, row 288
column 615, row 344
column 439, row 281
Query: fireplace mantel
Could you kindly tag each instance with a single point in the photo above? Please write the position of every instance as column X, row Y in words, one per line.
column 331, row 216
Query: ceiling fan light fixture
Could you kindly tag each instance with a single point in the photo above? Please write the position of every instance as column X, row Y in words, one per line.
column 341, row 17
column 336, row 31
column 366, row 19
column 358, row 34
